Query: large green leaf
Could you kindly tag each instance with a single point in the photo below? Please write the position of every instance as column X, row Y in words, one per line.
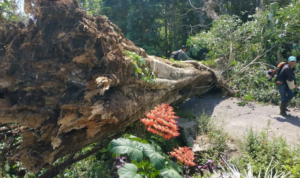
column 133, row 149
column 170, row 173
column 156, row 159
column 31, row 175
column 129, row 171
column 175, row 166
column 134, row 138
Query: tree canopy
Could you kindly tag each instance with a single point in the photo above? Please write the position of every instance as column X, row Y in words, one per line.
column 161, row 27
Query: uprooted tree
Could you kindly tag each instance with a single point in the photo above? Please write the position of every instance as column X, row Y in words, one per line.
column 66, row 83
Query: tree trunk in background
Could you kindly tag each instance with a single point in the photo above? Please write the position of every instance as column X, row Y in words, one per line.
column 174, row 26
column 166, row 30
column 262, row 4
column 90, row 4
column 67, row 81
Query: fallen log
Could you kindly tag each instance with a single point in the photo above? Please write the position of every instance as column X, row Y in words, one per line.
column 67, row 80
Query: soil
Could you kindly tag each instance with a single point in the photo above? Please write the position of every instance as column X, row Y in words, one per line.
column 237, row 120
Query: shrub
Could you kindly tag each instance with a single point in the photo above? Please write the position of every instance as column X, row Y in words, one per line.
column 259, row 151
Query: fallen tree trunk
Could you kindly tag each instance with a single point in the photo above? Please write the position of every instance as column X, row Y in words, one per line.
column 66, row 79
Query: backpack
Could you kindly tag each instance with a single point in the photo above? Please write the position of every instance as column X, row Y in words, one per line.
column 175, row 54
column 280, row 66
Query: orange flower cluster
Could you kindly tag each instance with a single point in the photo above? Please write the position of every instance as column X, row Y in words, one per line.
column 184, row 155
column 161, row 121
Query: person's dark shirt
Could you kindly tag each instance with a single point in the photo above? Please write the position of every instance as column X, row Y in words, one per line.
column 286, row 74
column 182, row 56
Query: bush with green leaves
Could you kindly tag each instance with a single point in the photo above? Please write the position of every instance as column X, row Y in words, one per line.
column 244, row 50
column 9, row 12
column 146, row 159
column 255, row 86
column 236, row 41
column 217, row 138
column 89, row 167
column 140, row 67
column 259, row 151
column 97, row 165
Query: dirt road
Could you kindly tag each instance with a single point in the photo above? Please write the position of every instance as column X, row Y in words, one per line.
column 236, row 120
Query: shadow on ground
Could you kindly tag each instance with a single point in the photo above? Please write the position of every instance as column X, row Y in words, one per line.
column 206, row 104
column 294, row 120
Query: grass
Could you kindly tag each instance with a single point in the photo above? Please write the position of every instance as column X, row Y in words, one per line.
column 260, row 151
column 217, row 138
column 242, row 103
column 259, row 156
column 205, row 124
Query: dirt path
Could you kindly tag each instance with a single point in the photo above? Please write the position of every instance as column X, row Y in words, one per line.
column 238, row 119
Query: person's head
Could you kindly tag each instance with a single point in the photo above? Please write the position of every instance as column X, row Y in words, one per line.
column 292, row 61
column 272, row 71
column 183, row 48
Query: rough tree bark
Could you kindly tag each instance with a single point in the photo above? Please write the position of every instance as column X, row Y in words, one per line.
column 66, row 80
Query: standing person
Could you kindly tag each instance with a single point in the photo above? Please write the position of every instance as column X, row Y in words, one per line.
column 180, row 54
column 287, row 74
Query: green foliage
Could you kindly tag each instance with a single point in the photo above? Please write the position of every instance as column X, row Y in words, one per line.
column 156, row 159
column 242, row 103
column 146, row 168
column 133, row 149
column 249, row 97
column 231, row 39
column 7, row 9
column 161, row 27
column 259, row 151
column 89, row 167
column 217, row 138
column 137, row 150
column 209, row 63
column 170, row 173
column 238, row 44
column 253, row 85
column 140, row 67
column 166, row 145
column 98, row 165
column 129, row 170
column 93, row 7
column 9, row 168
column 205, row 125
column 141, row 21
